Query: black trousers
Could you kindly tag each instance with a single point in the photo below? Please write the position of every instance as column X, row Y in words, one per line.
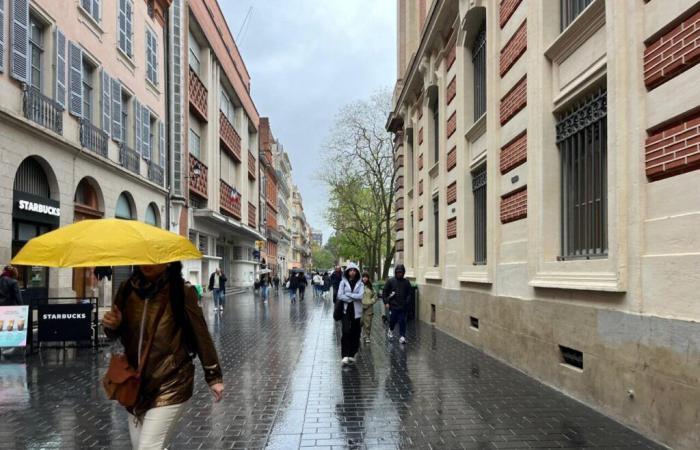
column 350, row 341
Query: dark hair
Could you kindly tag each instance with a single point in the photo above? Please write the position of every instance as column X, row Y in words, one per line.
column 369, row 280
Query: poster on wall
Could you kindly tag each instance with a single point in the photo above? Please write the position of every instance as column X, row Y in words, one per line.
column 13, row 326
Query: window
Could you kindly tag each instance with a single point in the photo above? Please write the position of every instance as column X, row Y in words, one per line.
column 87, row 78
column 436, row 231
column 582, row 142
column 125, row 117
column 126, row 27
column 193, row 53
column 151, row 57
column 195, row 143
column 123, row 210
column 36, row 52
column 92, row 7
column 150, row 8
column 151, row 215
column 226, row 106
column 436, row 130
column 479, row 193
column 570, row 10
column 479, row 63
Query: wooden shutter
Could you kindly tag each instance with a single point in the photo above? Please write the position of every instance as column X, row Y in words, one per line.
column 149, row 51
column 106, row 102
column 146, row 137
column 75, row 80
column 2, row 35
column 19, row 58
column 154, row 57
column 137, row 126
column 121, row 25
column 161, row 143
column 129, row 27
column 116, row 110
column 59, row 92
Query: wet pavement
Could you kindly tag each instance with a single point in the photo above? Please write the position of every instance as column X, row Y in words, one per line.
column 285, row 389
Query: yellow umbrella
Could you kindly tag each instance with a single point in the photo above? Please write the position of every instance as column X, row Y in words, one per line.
column 105, row 242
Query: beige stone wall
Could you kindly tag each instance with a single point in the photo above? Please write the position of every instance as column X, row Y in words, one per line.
column 633, row 313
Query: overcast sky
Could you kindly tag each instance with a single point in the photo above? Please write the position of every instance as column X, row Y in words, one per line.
column 307, row 58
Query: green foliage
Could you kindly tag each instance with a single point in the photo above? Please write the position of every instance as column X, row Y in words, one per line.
column 322, row 257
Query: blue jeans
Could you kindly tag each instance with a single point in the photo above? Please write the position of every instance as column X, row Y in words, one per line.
column 292, row 294
column 264, row 291
column 399, row 316
column 219, row 297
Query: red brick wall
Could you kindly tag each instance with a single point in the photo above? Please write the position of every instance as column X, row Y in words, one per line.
column 452, row 228
column 507, row 9
column 452, row 193
column 399, row 203
column 399, row 182
column 451, row 56
column 420, row 162
column 420, row 239
column 514, row 100
column 672, row 53
column 452, row 124
column 674, row 149
column 420, row 135
column 399, row 245
column 420, row 213
column 514, row 206
column 514, row 49
column 452, row 90
column 420, row 187
column 514, row 153
column 399, row 224
column 452, row 159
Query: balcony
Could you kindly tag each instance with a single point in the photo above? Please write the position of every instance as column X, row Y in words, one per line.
column 252, row 216
column 198, row 96
column 156, row 173
column 399, row 161
column 42, row 110
column 251, row 165
column 229, row 137
column 129, row 159
column 198, row 184
column 230, row 200
column 93, row 138
column 399, row 183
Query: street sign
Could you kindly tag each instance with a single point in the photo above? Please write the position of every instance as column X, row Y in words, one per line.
column 259, row 244
column 70, row 322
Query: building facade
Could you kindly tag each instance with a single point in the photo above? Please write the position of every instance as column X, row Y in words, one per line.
column 548, row 191
column 301, row 237
column 215, row 142
column 268, row 196
column 317, row 237
column 284, row 214
column 82, row 125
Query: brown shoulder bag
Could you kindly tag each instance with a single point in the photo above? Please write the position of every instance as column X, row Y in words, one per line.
column 122, row 382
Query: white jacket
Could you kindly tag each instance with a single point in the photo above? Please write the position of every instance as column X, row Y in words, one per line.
column 348, row 295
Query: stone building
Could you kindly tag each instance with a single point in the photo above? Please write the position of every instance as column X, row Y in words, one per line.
column 268, row 195
column 548, row 194
column 82, row 125
column 301, row 238
column 215, row 144
column 284, row 208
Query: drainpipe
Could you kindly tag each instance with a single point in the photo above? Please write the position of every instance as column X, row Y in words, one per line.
column 168, row 122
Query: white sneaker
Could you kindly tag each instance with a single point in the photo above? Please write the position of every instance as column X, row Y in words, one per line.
column 351, row 360
column 390, row 334
column 402, row 340
column 367, row 341
column 345, row 361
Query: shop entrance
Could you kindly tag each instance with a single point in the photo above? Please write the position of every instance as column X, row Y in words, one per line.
column 88, row 205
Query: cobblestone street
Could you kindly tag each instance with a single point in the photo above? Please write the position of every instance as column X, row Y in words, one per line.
column 285, row 389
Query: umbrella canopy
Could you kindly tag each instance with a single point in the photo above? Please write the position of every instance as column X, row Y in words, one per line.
column 105, row 242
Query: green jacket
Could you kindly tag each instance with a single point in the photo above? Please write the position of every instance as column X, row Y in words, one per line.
column 369, row 298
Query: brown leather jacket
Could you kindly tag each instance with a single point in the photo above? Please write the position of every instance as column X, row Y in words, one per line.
column 168, row 375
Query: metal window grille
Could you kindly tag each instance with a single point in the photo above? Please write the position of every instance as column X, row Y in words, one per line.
column 582, row 142
column 93, row 138
column 570, row 10
column 436, row 231
column 203, row 244
column 479, row 63
column 479, row 193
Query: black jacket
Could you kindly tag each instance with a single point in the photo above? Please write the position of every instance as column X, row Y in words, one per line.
column 403, row 293
column 9, row 292
column 222, row 281
column 293, row 282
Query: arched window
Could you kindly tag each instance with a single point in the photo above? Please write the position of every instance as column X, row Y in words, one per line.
column 86, row 195
column 31, row 178
column 152, row 215
column 124, row 209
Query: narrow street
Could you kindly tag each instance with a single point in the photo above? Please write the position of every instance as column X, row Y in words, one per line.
column 285, row 389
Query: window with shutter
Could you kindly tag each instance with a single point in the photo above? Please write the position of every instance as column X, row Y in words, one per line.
column 106, row 102
column 151, row 58
column 75, row 80
column 146, row 133
column 19, row 59
column 2, row 36
column 60, row 67
column 137, row 126
column 161, row 143
column 124, row 26
column 116, row 110
column 92, row 7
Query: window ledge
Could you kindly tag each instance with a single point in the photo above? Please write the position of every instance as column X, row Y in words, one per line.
column 127, row 60
column 409, row 192
column 584, row 281
column 474, row 277
column 152, row 87
column 434, row 170
column 433, row 275
column 578, row 32
column 91, row 23
column 477, row 129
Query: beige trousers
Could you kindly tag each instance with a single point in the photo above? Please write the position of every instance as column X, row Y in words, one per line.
column 156, row 429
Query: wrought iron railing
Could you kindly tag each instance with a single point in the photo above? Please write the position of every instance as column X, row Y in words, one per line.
column 129, row 159
column 156, row 173
column 479, row 192
column 93, row 138
column 42, row 109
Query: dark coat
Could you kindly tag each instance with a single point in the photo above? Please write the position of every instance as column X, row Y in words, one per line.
column 222, row 282
column 9, row 292
column 403, row 293
column 293, row 282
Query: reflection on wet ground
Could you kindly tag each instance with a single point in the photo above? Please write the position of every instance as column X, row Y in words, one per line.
column 285, row 389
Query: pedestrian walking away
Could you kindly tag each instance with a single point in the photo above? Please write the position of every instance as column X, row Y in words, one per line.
column 293, row 286
column 157, row 320
column 276, row 281
column 302, row 283
column 264, row 287
column 10, row 294
column 318, row 285
column 217, row 284
column 351, row 292
column 397, row 295
column 368, row 300
column 336, row 278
